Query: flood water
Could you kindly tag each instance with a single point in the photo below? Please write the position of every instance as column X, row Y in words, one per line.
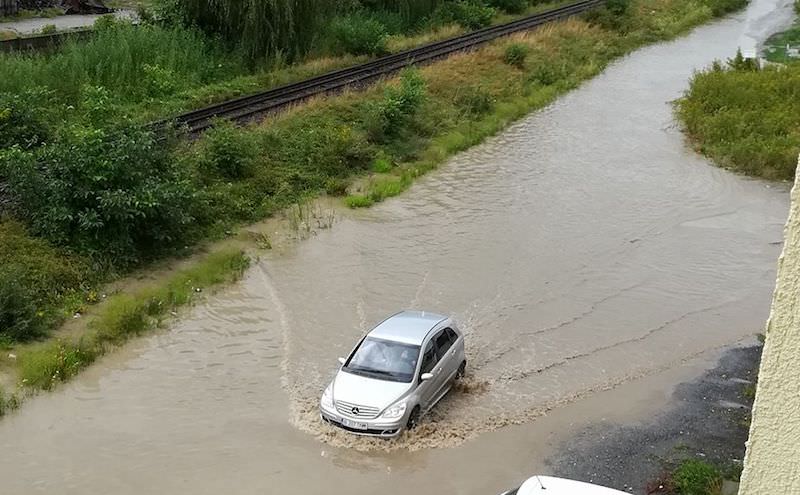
column 590, row 258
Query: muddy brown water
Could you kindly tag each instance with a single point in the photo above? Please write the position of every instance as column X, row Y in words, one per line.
column 592, row 260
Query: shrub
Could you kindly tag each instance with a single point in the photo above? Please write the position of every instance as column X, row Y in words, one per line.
column 335, row 186
column 615, row 15
column 510, row 6
column 228, row 151
column 471, row 14
column 34, row 278
column 20, row 318
column 112, row 194
column 695, row 477
column 515, row 55
column 397, row 105
column 359, row 34
column 22, row 122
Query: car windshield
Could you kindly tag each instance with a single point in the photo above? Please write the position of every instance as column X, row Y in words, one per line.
column 384, row 359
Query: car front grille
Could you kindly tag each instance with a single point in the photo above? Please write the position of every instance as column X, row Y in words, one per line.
column 356, row 410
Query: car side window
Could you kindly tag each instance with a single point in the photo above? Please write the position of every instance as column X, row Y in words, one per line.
column 452, row 336
column 443, row 343
column 429, row 358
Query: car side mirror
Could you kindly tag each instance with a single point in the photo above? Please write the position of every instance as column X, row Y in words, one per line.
column 426, row 376
column 341, row 361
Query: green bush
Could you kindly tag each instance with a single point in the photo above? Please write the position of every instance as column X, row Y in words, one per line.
column 510, row 6
column 515, row 55
column 614, row 15
column 227, row 151
column 22, row 120
column 471, row 14
column 20, row 317
column 397, row 105
column 114, row 194
column 359, row 34
column 34, row 280
column 695, row 477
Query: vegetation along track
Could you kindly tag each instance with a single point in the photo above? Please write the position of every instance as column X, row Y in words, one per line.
column 250, row 107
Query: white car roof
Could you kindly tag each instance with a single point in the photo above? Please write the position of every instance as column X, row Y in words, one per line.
column 408, row 327
column 548, row 485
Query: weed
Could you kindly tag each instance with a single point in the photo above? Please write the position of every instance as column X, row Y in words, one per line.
column 48, row 29
column 694, row 477
column 8, row 402
column 515, row 55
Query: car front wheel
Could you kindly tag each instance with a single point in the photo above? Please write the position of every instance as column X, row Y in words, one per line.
column 413, row 419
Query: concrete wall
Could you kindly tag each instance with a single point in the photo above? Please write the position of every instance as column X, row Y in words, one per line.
column 772, row 462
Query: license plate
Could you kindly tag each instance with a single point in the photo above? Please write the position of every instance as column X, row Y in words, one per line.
column 354, row 424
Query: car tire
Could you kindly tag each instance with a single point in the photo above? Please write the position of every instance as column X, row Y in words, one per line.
column 462, row 370
column 413, row 419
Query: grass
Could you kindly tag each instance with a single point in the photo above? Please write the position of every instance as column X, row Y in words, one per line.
column 695, row 477
column 745, row 120
column 122, row 316
column 8, row 402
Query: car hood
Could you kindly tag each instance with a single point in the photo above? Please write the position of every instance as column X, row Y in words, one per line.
column 364, row 391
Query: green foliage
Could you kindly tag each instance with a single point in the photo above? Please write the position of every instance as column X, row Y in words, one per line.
column 261, row 30
column 133, row 62
column 739, row 63
column 34, row 279
column 48, row 29
column 475, row 100
column 515, row 55
column 615, row 14
column 471, row 14
column 227, row 152
column 695, row 477
column 49, row 364
column 112, row 194
column 397, row 106
column 510, row 6
column 21, row 121
column 19, row 315
column 8, row 402
column 359, row 34
column 746, row 119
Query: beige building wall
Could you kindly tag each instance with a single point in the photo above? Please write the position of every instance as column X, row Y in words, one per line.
column 772, row 462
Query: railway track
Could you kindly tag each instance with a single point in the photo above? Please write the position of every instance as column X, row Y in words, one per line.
column 250, row 107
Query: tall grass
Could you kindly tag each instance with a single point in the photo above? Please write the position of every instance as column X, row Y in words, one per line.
column 746, row 120
column 133, row 62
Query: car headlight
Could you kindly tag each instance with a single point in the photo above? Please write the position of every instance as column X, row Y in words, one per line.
column 395, row 411
column 327, row 398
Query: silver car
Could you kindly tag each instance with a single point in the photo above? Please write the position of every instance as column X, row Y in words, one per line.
column 395, row 375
